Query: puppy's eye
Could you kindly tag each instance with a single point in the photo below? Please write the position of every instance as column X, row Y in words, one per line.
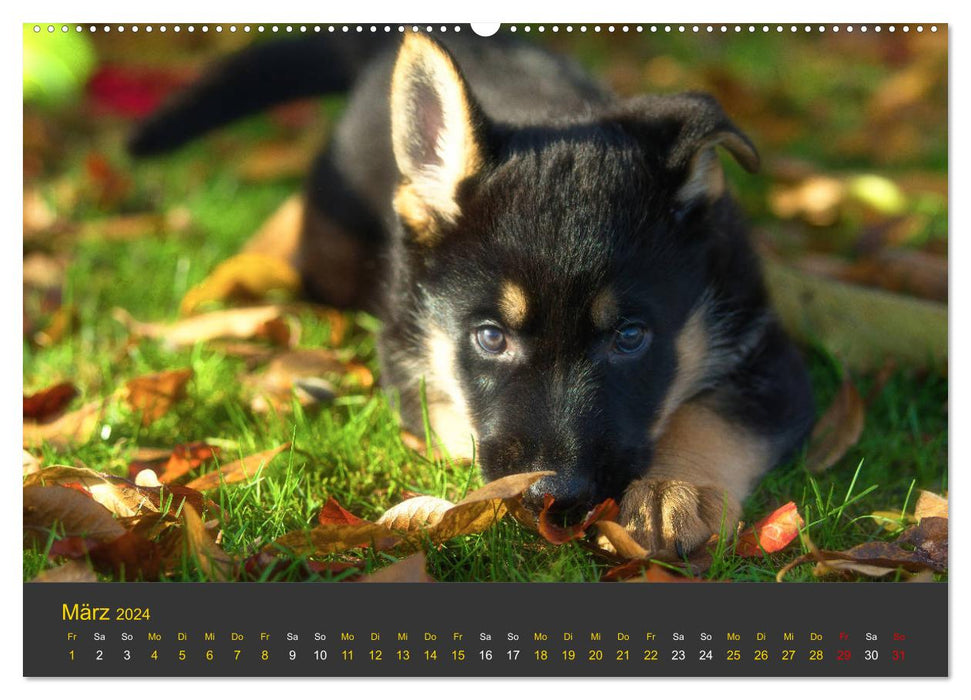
column 631, row 338
column 491, row 339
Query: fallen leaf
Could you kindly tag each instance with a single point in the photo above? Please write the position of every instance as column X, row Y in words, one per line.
column 171, row 466
column 621, row 540
column 467, row 519
column 121, row 496
column 482, row 508
column 333, row 514
column 558, row 534
column 408, row 570
column 772, row 533
column 929, row 540
column 475, row 513
column 837, row 430
column 507, row 487
column 212, row 560
column 76, row 427
column 930, row 505
column 128, row 557
column 330, row 539
column 68, row 572
column 154, row 395
column 253, row 322
column 239, row 470
column 68, row 512
column 244, row 277
column 415, row 513
column 49, row 402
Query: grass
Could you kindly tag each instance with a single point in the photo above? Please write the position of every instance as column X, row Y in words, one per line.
column 351, row 449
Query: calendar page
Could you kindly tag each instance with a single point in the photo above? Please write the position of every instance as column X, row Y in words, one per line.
column 601, row 349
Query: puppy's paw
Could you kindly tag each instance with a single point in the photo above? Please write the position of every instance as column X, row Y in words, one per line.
column 676, row 517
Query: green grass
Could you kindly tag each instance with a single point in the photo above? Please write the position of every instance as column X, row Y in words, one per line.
column 351, row 449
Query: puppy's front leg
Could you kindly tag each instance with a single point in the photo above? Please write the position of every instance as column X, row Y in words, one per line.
column 715, row 446
column 703, row 468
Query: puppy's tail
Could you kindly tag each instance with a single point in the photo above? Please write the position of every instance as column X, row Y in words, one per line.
column 252, row 80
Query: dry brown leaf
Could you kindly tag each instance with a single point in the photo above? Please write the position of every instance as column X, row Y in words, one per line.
column 837, row 430
column 408, row 570
column 61, row 323
column 77, row 514
column 929, row 540
column 154, row 395
column 930, row 505
column 555, row 533
column 212, row 560
column 47, row 403
column 624, row 545
column 329, row 539
column 119, row 496
column 467, row 518
column 253, row 322
column 507, row 487
column 239, row 470
column 416, row 513
column 76, row 427
column 69, row 572
column 245, row 277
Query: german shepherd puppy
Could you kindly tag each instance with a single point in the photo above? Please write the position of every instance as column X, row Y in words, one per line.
column 562, row 276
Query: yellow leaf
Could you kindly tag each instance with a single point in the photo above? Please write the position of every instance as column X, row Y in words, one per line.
column 244, row 277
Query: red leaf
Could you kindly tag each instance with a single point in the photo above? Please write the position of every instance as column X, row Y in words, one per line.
column 48, row 402
column 333, row 514
column 771, row 533
column 557, row 534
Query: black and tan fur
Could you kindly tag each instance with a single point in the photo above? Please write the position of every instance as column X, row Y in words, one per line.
column 561, row 274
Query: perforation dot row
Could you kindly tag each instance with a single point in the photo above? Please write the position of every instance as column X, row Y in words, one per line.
column 373, row 28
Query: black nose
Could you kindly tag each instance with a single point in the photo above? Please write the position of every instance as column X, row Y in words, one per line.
column 572, row 495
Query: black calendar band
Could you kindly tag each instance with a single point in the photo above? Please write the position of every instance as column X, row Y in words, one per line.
column 485, row 629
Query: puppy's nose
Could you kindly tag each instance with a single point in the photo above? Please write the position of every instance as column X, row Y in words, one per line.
column 571, row 495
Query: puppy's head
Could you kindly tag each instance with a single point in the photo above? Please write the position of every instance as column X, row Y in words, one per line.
column 560, row 272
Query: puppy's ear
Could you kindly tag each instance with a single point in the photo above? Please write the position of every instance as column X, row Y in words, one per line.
column 694, row 124
column 436, row 132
